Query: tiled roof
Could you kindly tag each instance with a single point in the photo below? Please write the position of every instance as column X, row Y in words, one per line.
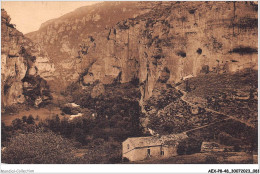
column 155, row 141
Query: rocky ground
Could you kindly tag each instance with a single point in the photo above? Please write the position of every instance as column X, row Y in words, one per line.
column 231, row 94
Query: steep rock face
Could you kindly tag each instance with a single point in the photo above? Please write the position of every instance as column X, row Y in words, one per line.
column 61, row 37
column 152, row 42
column 172, row 42
column 20, row 59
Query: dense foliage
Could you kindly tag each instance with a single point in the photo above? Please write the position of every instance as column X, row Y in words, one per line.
column 189, row 146
column 38, row 148
column 107, row 121
column 116, row 113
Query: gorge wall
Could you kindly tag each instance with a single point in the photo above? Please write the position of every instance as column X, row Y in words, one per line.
column 155, row 42
column 172, row 42
column 62, row 37
column 25, row 67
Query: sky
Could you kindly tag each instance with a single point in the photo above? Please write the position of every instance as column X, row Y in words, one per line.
column 29, row 15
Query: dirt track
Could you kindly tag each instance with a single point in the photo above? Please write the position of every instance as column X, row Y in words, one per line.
column 210, row 110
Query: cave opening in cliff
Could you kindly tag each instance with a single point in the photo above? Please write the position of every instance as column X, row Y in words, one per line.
column 199, row 50
column 182, row 54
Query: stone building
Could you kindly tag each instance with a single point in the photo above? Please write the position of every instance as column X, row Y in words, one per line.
column 141, row 148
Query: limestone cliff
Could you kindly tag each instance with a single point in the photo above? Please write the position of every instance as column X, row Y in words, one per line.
column 22, row 60
column 62, row 37
column 173, row 41
column 151, row 42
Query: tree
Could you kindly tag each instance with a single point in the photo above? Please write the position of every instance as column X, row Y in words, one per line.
column 4, row 133
column 24, row 118
column 38, row 148
column 17, row 124
column 189, row 146
column 79, row 135
column 54, row 124
column 30, row 119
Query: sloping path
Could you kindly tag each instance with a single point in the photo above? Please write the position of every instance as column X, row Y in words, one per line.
column 206, row 125
column 210, row 110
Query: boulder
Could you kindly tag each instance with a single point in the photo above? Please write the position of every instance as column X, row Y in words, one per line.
column 75, row 116
column 72, row 105
column 38, row 101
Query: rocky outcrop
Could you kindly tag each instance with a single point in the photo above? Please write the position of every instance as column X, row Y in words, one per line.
column 151, row 42
column 21, row 60
column 173, row 41
column 62, row 37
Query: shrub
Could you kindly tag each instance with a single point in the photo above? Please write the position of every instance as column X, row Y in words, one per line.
column 135, row 81
column 4, row 133
column 189, row 146
column 211, row 160
column 237, row 148
column 115, row 160
column 54, row 124
column 70, row 111
column 24, row 118
column 28, row 128
column 66, row 110
column 182, row 54
column 125, row 160
column 79, row 135
column 100, row 151
column 205, row 69
column 38, row 148
column 17, row 124
column 30, row 120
